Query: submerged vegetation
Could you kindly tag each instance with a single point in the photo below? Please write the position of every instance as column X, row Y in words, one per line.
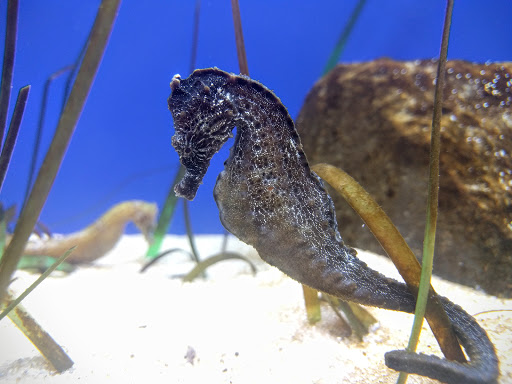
column 99, row 36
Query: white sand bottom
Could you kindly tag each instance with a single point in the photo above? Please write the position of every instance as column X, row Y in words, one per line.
column 121, row 326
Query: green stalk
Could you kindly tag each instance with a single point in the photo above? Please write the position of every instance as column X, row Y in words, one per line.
column 165, row 217
column 342, row 40
column 433, row 193
column 100, row 34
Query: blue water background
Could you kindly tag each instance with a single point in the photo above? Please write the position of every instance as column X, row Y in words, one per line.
column 122, row 145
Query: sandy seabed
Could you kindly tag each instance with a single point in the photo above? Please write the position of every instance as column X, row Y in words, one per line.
column 121, row 326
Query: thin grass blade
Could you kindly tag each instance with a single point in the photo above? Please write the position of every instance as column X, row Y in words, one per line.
column 165, row 217
column 312, row 303
column 203, row 265
column 11, row 31
column 40, row 338
column 12, row 134
column 161, row 255
column 432, row 199
column 34, row 285
column 342, row 40
column 239, row 36
column 39, row 131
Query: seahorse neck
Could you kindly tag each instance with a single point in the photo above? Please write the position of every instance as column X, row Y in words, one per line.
column 266, row 135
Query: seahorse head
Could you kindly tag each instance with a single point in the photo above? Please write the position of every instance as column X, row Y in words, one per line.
column 203, row 120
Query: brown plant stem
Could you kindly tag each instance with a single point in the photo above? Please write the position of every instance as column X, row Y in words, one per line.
column 201, row 267
column 8, row 63
column 12, row 134
column 195, row 36
column 397, row 249
column 38, row 336
column 40, row 124
column 239, row 36
column 100, row 34
column 312, row 303
column 357, row 328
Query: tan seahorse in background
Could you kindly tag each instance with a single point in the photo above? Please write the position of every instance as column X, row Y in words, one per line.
column 100, row 237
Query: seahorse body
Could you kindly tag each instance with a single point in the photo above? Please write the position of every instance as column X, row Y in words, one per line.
column 269, row 198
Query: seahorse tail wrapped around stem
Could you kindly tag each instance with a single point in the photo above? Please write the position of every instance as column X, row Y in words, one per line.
column 482, row 369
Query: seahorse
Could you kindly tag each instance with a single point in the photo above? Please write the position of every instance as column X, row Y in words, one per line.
column 268, row 197
column 101, row 236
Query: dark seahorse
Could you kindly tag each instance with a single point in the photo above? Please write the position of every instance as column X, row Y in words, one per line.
column 269, row 198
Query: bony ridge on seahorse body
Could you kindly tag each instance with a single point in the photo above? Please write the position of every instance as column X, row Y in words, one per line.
column 269, row 198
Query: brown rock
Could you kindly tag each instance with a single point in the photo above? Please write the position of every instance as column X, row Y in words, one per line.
column 373, row 120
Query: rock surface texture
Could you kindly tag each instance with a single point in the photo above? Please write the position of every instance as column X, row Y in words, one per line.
column 373, row 120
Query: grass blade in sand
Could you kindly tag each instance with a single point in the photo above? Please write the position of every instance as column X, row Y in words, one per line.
column 312, row 303
column 165, row 253
column 350, row 323
column 33, row 286
column 40, row 263
column 100, row 34
column 432, row 199
column 30, row 328
column 41, row 340
column 201, row 267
